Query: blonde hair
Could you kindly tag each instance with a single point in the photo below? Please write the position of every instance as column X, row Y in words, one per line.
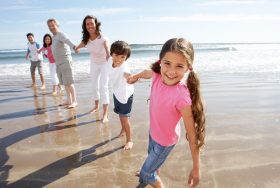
column 184, row 47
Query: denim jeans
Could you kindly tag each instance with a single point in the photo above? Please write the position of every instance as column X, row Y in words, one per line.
column 157, row 154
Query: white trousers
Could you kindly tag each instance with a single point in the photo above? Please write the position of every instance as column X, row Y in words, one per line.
column 100, row 80
column 54, row 79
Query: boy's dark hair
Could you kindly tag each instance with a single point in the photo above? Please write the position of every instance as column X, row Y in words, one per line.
column 29, row 34
column 120, row 48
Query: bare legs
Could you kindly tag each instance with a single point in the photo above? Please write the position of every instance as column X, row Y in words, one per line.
column 126, row 129
column 34, row 80
column 96, row 107
column 105, row 111
column 71, row 100
column 43, row 81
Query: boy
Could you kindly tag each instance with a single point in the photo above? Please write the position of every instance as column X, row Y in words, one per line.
column 35, row 59
column 122, row 91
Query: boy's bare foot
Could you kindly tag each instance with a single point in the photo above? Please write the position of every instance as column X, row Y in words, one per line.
column 54, row 93
column 73, row 105
column 121, row 133
column 128, row 146
column 95, row 109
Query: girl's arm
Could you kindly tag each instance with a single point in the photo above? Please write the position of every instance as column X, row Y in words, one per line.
column 146, row 74
column 187, row 116
column 106, row 46
column 81, row 45
column 40, row 50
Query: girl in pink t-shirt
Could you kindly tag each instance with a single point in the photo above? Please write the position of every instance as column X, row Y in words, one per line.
column 170, row 100
column 47, row 40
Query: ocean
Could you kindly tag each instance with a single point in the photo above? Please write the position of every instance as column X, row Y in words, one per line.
column 256, row 59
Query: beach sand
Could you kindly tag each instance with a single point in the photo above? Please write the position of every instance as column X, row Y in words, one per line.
column 43, row 145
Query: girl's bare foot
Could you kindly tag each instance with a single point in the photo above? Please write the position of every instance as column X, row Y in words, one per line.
column 128, row 146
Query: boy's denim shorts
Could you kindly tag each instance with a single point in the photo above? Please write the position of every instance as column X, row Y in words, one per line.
column 123, row 109
column 157, row 154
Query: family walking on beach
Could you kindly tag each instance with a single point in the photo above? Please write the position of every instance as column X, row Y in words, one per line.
column 172, row 98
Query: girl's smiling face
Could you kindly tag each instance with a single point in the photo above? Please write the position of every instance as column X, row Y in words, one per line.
column 48, row 40
column 173, row 67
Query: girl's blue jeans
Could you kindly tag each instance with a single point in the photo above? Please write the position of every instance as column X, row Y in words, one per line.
column 157, row 154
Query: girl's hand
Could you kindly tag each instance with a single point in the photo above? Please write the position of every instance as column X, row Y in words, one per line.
column 193, row 178
column 132, row 79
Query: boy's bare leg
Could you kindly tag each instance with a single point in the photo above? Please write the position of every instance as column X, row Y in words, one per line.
column 105, row 114
column 33, row 80
column 126, row 126
column 96, row 107
column 43, row 81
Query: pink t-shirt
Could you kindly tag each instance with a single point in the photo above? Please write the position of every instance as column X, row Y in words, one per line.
column 49, row 54
column 165, row 103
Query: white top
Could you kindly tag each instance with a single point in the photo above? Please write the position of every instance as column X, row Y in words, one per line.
column 121, row 89
column 97, row 50
column 33, row 54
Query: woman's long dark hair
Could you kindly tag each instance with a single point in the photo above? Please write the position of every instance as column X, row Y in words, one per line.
column 184, row 47
column 86, row 35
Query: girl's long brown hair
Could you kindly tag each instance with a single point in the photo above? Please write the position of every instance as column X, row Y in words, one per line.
column 184, row 47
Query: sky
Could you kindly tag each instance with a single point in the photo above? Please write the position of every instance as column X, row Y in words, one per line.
column 144, row 21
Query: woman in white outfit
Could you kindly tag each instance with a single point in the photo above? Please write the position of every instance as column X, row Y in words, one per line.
column 98, row 47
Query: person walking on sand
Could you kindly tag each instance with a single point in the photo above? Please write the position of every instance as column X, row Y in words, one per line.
column 122, row 91
column 36, row 60
column 98, row 46
column 170, row 100
column 62, row 55
column 46, row 49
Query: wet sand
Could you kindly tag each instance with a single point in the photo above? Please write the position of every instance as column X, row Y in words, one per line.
column 44, row 145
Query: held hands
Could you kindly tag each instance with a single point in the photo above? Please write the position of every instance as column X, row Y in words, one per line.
column 194, row 178
column 77, row 50
column 131, row 79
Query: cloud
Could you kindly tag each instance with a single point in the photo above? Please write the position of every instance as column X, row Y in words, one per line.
column 101, row 11
column 211, row 18
column 229, row 2
column 17, row 7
